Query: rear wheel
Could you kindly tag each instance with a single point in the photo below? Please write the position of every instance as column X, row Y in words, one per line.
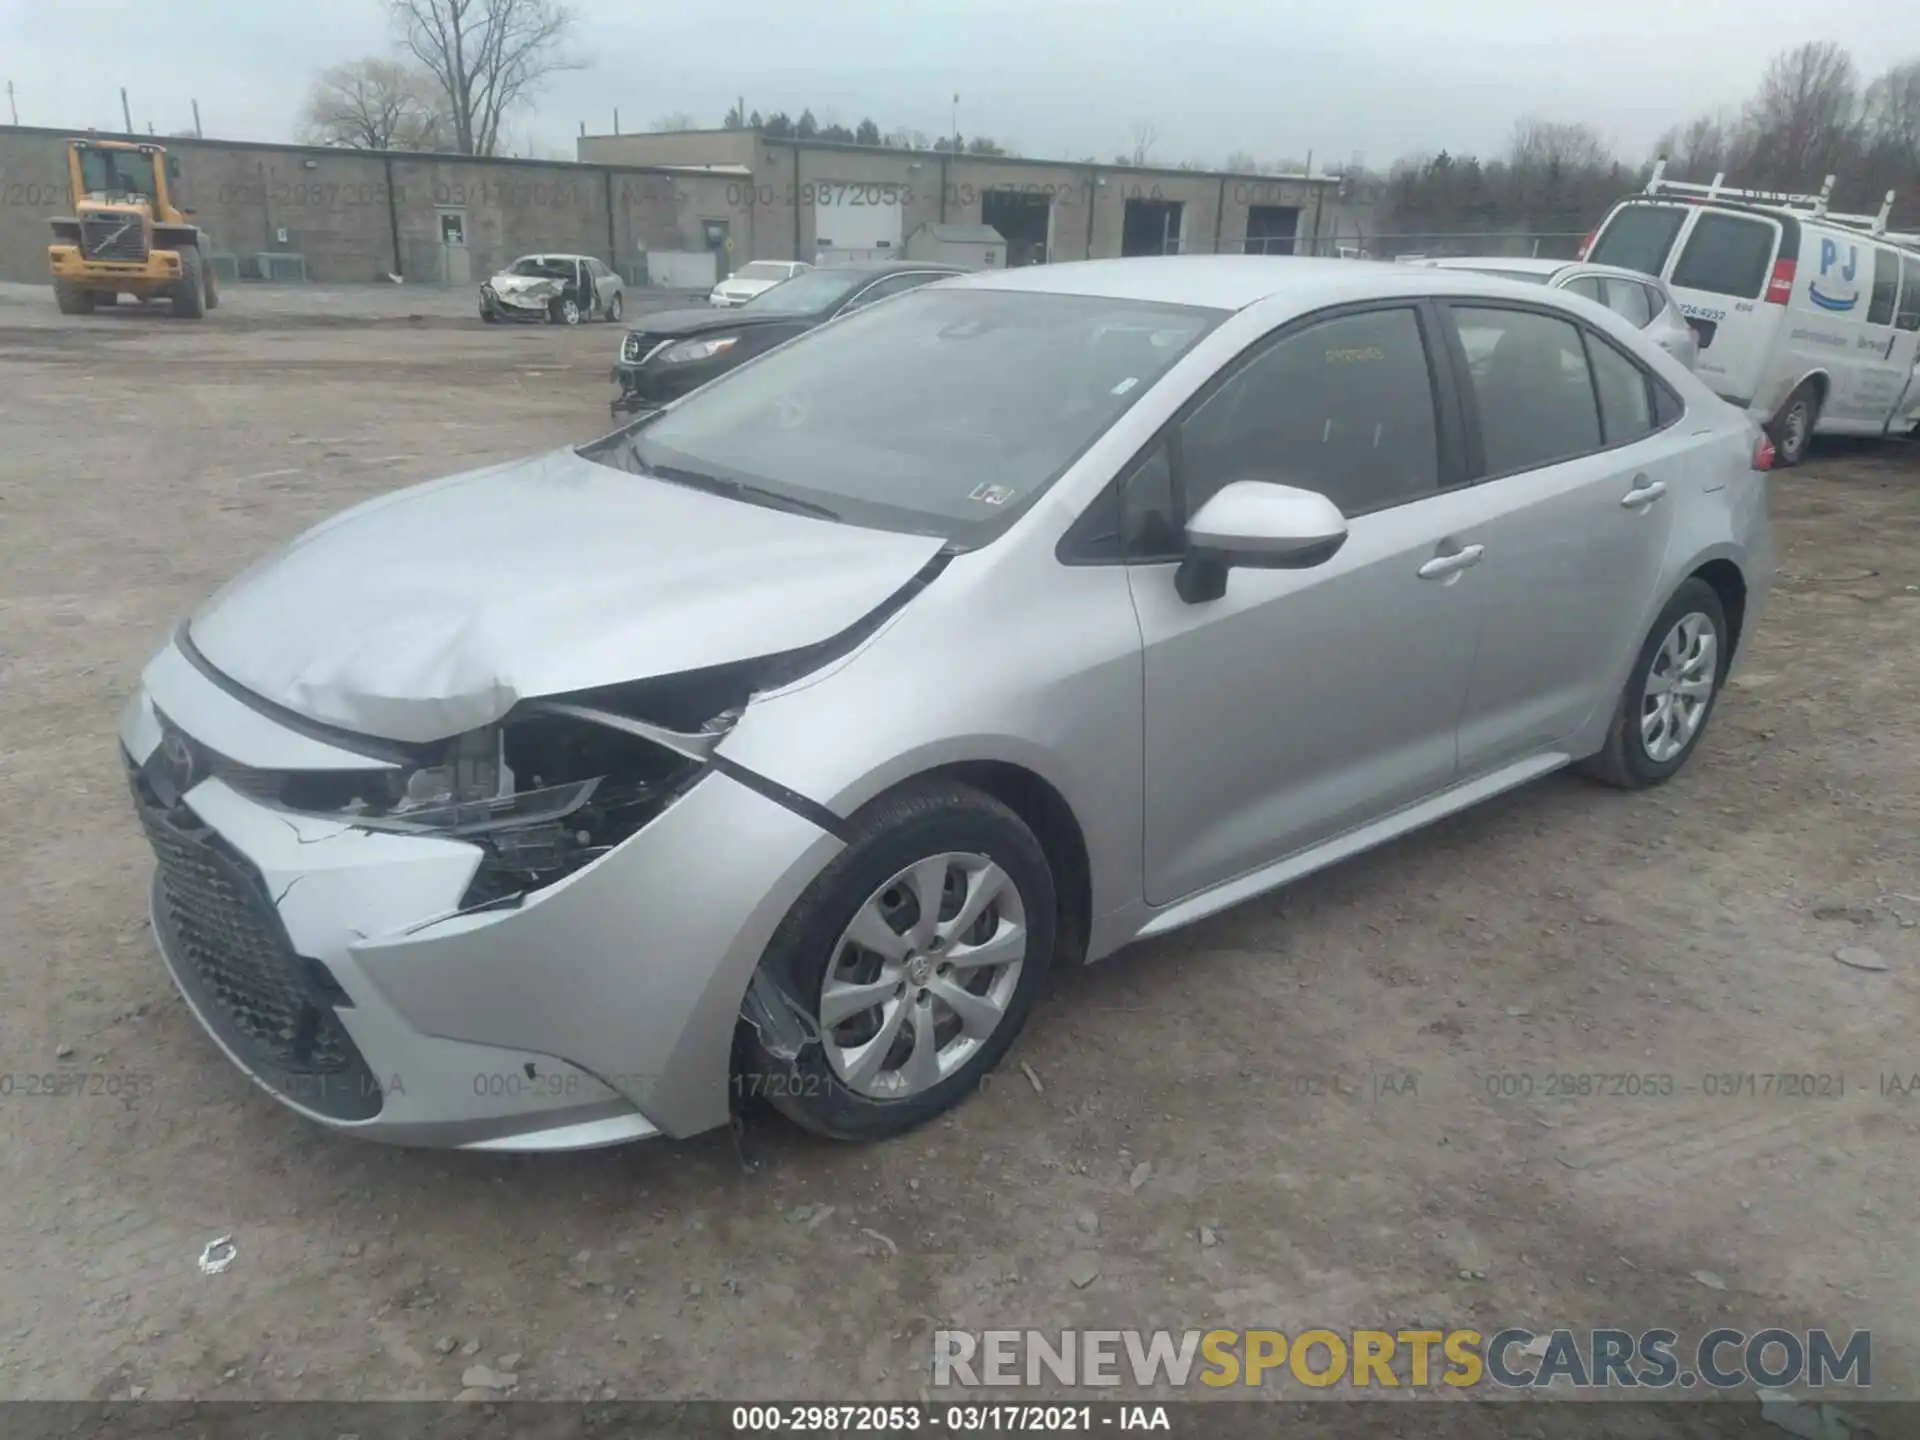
column 212, row 290
column 1793, row 426
column 1669, row 693
column 189, row 298
column 71, row 299
column 909, row 965
column 613, row 308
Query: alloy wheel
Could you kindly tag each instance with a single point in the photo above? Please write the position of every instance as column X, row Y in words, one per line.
column 1679, row 687
column 923, row 975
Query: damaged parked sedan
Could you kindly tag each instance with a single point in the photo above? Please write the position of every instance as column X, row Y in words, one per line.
column 779, row 743
column 556, row 289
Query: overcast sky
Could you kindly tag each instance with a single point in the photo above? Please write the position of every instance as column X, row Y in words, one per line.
column 1381, row 78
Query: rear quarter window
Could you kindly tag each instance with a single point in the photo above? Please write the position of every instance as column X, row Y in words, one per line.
column 1727, row 255
column 1638, row 237
column 1907, row 317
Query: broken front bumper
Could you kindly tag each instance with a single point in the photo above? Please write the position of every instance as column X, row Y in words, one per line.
column 533, row 311
column 329, row 963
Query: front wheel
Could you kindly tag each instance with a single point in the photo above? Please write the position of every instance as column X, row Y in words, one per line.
column 908, row 967
column 71, row 299
column 566, row 311
column 189, row 299
column 1669, row 693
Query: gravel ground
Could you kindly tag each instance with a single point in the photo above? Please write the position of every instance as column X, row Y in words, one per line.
column 1286, row 1116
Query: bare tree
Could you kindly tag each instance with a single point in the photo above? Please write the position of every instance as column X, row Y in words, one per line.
column 1145, row 133
column 488, row 57
column 1804, row 121
column 674, row 120
column 1893, row 110
column 1542, row 144
column 373, row 104
column 1702, row 148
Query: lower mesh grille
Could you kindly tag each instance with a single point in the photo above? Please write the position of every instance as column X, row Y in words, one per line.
column 231, row 955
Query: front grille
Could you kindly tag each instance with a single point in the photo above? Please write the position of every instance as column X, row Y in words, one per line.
column 231, row 955
column 113, row 237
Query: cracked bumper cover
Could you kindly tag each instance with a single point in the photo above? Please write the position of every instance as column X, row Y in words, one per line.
column 602, row 1009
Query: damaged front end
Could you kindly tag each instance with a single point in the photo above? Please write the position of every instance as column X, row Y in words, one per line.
column 520, row 297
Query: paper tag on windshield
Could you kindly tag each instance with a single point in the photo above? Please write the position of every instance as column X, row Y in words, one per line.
column 991, row 494
column 1125, row 385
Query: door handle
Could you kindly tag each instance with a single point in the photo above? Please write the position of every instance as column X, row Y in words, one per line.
column 1643, row 493
column 1442, row 566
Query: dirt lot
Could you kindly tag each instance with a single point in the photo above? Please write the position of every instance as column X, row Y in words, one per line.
column 1312, row 1078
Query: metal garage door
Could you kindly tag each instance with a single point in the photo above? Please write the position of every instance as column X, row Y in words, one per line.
column 855, row 222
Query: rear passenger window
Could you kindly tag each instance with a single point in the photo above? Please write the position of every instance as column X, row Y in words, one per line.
column 1629, row 301
column 1344, row 407
column 1588, row 286
column 1626, row 402
column 1638, row 237
column 1907, row 317
column 1886, row 281
column 1726, row 255
column 1531, row 386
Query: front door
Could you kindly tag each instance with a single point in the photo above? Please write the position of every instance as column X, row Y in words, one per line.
column 1305, row 702
column 456, row 267
column 1580, row 510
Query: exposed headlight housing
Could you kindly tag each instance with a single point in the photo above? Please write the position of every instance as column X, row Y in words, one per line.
column 690, row 350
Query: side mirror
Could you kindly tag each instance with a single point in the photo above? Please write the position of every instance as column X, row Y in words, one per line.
column 1257, row 525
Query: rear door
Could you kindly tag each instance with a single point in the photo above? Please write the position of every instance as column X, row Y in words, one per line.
column 1578, row 484
column 1722, row 274
column 1882, row 357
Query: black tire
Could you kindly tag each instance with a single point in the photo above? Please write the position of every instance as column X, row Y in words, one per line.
column 1792, row 428
column 614, row 307
column 885, row 837
column 1624, row 762
column 72, row 300
column 564, row 311
column 189, row 298
column 211, row 295
column 486, row 314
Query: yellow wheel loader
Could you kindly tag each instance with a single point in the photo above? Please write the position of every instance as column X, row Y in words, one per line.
column 128, row 237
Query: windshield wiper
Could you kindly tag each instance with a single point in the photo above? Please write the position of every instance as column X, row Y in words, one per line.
column 739, row 490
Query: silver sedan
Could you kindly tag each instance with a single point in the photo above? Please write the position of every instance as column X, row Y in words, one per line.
column 1644, row 301
column 779, row 743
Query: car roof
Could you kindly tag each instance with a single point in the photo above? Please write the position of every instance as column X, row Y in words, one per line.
column 1233, row 282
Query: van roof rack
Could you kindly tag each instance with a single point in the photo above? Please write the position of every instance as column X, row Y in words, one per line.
column 1814, row 205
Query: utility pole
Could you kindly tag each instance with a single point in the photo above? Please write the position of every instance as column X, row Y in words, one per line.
column 616, row 119
column 955, row 130
column 12, row 105
column 126, row 115
column 198, row 133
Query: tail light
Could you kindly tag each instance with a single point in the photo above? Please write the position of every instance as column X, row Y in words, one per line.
column 1586, row 246
column 1780, row 287
column 1763, row 452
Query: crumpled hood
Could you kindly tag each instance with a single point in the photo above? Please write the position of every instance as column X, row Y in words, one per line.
column 432, row 610
column 526, row 287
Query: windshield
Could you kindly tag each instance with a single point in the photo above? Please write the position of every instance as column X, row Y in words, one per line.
column 116, row 172
column 762, row 270
column 808, row 292
column 543, row 267
column 941, row 412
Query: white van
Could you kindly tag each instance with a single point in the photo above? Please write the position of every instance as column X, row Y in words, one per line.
column 1809, row 319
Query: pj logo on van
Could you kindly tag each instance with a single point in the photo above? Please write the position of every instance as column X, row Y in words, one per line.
column 1839, row 292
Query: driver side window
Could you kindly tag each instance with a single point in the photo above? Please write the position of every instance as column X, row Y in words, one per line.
column 1344, row 407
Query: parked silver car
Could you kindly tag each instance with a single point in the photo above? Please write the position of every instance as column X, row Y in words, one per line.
column 780, row 742
column 557, row 289
column 1644, row 301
